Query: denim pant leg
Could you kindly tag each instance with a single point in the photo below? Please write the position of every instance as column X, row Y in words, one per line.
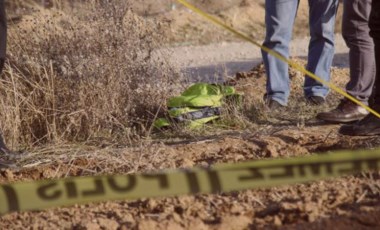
column 321, row 47
column 279, row 20
column 355, row 31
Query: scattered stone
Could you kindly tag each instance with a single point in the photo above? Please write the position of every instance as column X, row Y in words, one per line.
column 108, row 223
column 233, row 222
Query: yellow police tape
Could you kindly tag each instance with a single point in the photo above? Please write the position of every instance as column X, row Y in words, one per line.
column 277, row 55
column 37, row 195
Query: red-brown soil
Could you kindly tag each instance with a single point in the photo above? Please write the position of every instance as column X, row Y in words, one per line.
column 350, row 202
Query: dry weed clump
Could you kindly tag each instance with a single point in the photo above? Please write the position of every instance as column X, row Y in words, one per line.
column 75, row 76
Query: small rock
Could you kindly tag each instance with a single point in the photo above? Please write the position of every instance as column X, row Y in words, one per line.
column 237, row 209
column 235, row 222
column 108, row 223
column 177, row 218
column 340, row 211
column 277, row 221
column 187, row 163
column 289, row 206
column 309, row 207
column 198, row 224
column 127, row 218
column 92, row 226
column 174, row 226
column 312, row 217
column 9, row 175
column 147, row 225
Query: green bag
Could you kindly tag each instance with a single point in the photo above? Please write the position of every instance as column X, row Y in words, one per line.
column 198, row 105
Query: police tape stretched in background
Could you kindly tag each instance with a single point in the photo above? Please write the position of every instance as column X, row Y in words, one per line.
column 39, row 195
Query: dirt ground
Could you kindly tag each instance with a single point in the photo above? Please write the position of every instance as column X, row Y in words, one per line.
column 246, row 16
column 351, row 202
column 346, row 203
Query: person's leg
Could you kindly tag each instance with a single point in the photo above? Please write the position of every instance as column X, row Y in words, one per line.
column 279, row 20
column 321, row 48
column 370, row 125
column 3, row 43
column 376, row 93
column 3, row 34
column 375, row 33
column 355, row 31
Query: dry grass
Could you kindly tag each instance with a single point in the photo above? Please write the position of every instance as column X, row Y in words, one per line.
column 83, row 74
column 85, row 71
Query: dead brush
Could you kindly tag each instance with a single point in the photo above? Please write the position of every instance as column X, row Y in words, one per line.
column 78, row 76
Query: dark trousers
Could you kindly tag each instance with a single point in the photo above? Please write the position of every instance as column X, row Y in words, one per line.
column 374, row 25
column 355, row 31
column 3, row 34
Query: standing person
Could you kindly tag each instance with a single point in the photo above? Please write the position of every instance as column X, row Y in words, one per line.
column 370, row 125
column 355, row 31
column 3, row 35
column 3, row 46
column 279, row 20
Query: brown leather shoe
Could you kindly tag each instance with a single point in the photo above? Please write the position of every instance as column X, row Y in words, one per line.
column 315, row 100
column 369, row 126
column 273, row 105
column 347, row 111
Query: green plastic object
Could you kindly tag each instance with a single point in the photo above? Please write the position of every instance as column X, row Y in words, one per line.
column 196, row 124
column 175, row 112
column 161, row 123
column 201, row 95
column 198, row 105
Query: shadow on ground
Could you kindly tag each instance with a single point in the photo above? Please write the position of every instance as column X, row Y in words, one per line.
column 219, row 72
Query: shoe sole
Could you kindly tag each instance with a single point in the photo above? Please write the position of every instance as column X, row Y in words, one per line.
column 354, row 130
column 342, row 120
column 315, row 104
column 349, row 132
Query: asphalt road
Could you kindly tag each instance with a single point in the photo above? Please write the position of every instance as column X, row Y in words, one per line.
column 215, row 62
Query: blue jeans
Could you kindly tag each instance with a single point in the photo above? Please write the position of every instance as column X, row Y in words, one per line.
column 279, row 20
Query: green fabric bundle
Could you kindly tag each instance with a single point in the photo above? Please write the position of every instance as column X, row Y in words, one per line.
column 198, row 105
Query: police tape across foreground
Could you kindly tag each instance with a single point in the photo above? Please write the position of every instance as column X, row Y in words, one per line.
column 39, row 195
